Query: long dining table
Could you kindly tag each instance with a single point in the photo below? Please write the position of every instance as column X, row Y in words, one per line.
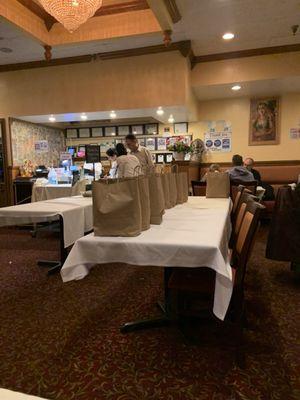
column 192, row 235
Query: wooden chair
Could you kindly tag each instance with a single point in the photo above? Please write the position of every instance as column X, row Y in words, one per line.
column 201, row 282
column 199, row 188
column 251, row 186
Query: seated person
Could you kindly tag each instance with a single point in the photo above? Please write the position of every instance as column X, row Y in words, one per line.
column 269, row 191
column 212, row 168
column 127, row 164
column 112, row 156
column 238, row 172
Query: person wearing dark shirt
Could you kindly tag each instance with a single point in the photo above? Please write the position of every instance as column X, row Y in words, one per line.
column 269, row 191
column 248, row 163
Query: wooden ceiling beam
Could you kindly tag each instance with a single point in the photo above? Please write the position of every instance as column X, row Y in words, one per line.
column 179, row 46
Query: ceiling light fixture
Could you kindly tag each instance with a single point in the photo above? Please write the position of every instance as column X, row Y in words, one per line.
column 71, row 13
column 171, row 119
column 52, row 118
column 228, row 36
column 113, row 115
column 235, row 88
column 160, row 111
column 83, row 116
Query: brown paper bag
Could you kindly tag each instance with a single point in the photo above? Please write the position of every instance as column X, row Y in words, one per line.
column 166, row 189
column 117, row 207
column 217, row 185
column 143, row 183
column 173, row 188
column 183, row 191
column 157, row 200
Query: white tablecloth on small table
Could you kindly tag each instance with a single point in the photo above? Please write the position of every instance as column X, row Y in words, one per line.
column 76, row 211
column 194, row 234
column 10, row 395
column 49, row 192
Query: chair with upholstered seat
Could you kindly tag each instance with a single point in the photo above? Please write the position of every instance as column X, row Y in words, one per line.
column 200, row 282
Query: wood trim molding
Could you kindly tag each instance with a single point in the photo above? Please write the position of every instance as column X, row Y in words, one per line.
column 247, row 53
column 173, row 10
column 184, row 47
column 129, row 6
column 282, row 163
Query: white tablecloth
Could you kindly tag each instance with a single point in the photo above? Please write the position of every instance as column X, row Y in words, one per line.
column 49, row 192
column 77, row 213
column 194, row 234
column 10, row 395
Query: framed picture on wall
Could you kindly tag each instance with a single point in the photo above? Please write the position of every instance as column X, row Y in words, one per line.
column 151, row 129
column 168, row 158
column 181, row 128
column 110, row 131
column 160, row 158
column 142, row 141
column 71, row 134
column 97, row 132
column 150, row 144
column 137, row 129
column 84, row 132
column 123, row 130
column 161, row 143
column 264, row 121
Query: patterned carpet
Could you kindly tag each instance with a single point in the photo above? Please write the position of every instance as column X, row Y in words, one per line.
column 62, row 341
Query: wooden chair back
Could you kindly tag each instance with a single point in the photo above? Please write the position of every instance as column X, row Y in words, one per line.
column 199, row 188
column 251, row 186
column 244, row 240
column 237, row 199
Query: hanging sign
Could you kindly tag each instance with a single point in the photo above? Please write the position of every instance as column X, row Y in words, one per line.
column 218, row 141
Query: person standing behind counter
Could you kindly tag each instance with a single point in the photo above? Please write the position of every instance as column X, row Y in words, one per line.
column 143, row 154
column 127, row 165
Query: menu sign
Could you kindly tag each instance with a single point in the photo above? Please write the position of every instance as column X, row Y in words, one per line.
column 92, row 153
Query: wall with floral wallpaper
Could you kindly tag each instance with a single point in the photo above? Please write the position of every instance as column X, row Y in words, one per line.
column 24, row 136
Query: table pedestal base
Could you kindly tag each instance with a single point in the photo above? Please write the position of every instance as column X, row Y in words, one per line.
column 145, row 324
column 54, row 266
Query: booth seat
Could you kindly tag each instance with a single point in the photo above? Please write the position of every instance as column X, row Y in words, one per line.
column 276, row 173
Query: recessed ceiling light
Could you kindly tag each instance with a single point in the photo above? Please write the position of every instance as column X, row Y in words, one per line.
column 171, row 119
column 228, row 36
column 6, row 50
column 113, row 115
column 52, row 118
column 83, row 116
column 160, row 111
column 236, row 88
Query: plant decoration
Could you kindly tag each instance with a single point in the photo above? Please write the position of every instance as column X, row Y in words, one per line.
column 179, row 147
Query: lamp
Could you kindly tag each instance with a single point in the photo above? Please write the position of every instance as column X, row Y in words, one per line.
column 71, row 13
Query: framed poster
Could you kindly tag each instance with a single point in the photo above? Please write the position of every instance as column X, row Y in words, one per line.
column 264, row 121
column 168, row 158
column 71, row 133
column 160, row 158
column 150, row 144
column 137, row 129
column 97, row 132
column 161, row 143
column 142, row 142
column 151, row 129
column 123, row 130
column 181, row 128
column 84, row 132
column 110, row 131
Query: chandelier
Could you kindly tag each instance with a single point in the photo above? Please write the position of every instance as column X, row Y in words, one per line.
column 71, row 13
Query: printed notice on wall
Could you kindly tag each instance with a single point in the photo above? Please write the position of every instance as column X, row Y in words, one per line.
column 41, row 146
column 218, row 141
column 295, row 133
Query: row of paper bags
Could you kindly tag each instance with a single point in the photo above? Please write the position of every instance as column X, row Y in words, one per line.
column 127, row 206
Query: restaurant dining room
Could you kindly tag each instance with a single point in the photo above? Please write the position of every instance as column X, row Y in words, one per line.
column 149, row 199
